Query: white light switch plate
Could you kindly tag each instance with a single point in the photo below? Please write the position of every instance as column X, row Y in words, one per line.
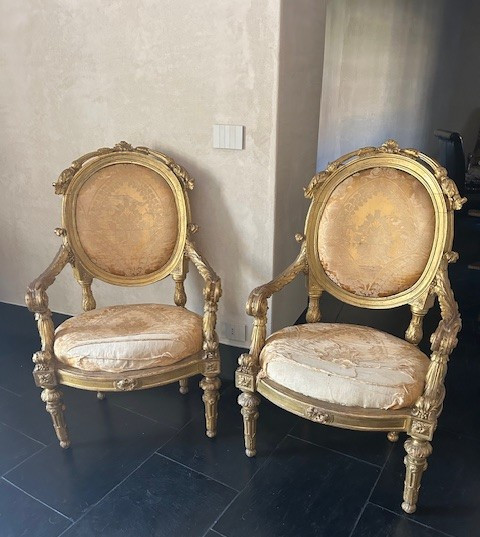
column 228, row 136
column 235, row 332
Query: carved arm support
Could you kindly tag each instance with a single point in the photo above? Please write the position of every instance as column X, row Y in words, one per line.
column 36, row 300
column 212, row 291
column 257, row 307
column 443, row 341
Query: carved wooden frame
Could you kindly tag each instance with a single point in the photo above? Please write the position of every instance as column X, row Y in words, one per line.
column 49, row 372
column 420, row 420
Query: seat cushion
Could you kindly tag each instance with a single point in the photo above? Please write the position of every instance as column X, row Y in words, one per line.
column 345, row 364
column 130, row 337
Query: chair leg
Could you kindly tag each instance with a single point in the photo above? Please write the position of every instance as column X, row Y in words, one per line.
column 249, row 403
column 183, row 386
column 210, row 387
column 53, row 398
column 393, row 436
column 416, row 463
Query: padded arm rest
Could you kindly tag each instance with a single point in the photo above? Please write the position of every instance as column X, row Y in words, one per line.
column 257, row 303
column 36, row 297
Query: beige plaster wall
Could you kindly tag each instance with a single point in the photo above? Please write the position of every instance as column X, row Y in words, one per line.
column 81, row 75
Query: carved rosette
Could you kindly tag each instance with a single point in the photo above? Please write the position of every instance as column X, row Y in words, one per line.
column 318, row 415
column 126, row 384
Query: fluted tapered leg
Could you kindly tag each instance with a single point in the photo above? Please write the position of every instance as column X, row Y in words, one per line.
column 249, row 403
column 53, row 398
column 210, row 387
column 416, row 463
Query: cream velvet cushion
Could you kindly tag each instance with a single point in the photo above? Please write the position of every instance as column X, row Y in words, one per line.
column 376, row 232
column 345, row 364
column 130, row 337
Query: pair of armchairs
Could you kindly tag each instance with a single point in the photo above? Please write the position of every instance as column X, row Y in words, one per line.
column 378, row 234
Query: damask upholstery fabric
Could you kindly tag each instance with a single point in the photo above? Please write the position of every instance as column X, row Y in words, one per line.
column 345, row 364
column 376, row 232
column 127, row 219
column 130, row 337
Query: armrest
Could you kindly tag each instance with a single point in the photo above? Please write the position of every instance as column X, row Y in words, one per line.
column 443, row 341
column 257, row 306
column 257, row 303
column 212, row 290
column 36, row 297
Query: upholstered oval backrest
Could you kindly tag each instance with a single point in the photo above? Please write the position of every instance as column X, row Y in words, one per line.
column 126, row 219
column 377, row 232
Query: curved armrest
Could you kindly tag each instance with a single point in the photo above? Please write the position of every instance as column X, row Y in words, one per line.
column 443, row 341
column 36, row 297
column 212, row 290
column 257, row 303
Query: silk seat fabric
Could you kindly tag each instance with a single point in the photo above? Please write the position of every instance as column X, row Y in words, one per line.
column 345, row 364
column 128, row 337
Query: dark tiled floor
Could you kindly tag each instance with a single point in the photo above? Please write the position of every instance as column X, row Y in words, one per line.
column 141, row 465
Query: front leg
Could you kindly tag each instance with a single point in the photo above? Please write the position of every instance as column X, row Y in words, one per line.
column 210, row 387
column 249, row 403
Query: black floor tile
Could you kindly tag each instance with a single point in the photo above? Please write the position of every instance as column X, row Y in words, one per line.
column 166, row 404
column 302, row 490
column 377, row 522
column 7, row 397
column 371, row 447
column 15, row 448
column 450, row 493
column 108, row 443
column 223, row 457
column 159, row 499
column 21, row 515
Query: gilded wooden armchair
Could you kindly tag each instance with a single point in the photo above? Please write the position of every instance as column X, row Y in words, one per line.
column 126, row 220
column 378, row 234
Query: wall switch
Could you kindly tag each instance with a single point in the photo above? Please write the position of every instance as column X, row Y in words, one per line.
column 228, row 136
column 235, row 332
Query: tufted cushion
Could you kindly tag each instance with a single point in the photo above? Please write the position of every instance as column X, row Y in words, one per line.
column 345, row 364
column 125, row 338
column 127, row 220
column 376, row 232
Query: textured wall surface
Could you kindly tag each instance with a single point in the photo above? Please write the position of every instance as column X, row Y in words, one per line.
column 81, row 75
column 302, row 38
column 389, row 72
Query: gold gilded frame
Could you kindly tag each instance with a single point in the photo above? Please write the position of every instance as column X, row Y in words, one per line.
column 69, row 210
column 418, row 421
column 48, row 372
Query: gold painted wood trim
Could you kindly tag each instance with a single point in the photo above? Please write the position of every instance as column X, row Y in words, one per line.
column 82, row 175
column 324, row 189
column 344, row 417
column 131, row 380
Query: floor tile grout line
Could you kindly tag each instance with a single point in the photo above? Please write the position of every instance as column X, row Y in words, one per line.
column 336, row 451
column 362, row 510
column 36, row 499
column 197, row 471
column 215, row 532
column 24, row 460
column 142, row 415
column 410, row 519
column 106, row 494
column 249, row 481
column 10, row 392
column 22, row 433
